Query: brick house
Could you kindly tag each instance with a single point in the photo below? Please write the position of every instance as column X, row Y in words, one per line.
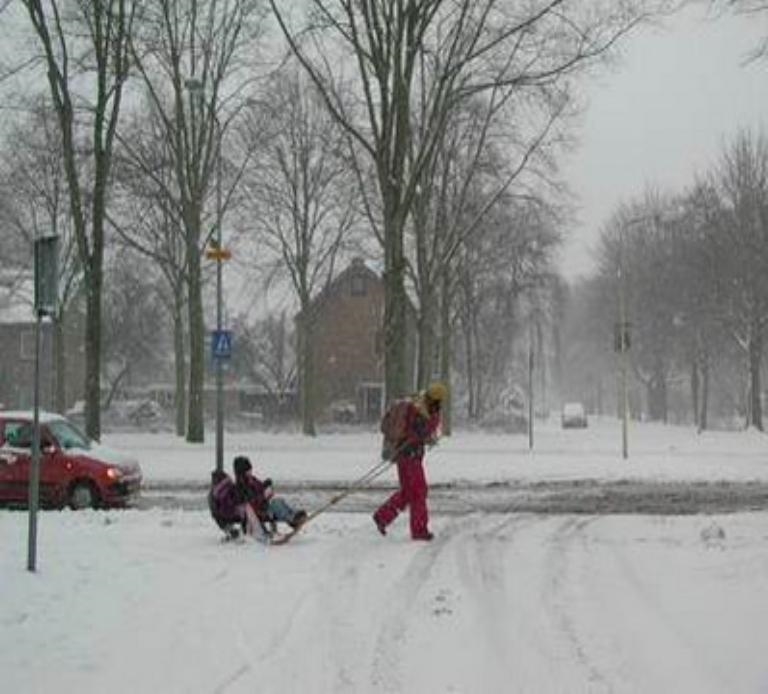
column 17, row 351
column 349, row 347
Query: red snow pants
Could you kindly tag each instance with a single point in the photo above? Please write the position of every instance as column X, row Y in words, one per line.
column 412, row 493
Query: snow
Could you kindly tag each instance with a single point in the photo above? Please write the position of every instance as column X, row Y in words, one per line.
column 153, row 601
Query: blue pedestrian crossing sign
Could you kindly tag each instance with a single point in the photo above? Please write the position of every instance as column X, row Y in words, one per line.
column 221, row 344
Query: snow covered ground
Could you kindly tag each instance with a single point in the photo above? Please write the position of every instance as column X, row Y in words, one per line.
column 152, row 601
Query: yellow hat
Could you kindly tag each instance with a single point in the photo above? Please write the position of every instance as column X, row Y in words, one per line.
column 437, row 392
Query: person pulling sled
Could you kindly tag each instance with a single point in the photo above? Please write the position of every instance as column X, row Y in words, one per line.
column 408, row 426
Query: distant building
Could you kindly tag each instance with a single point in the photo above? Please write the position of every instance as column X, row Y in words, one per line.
column 349, row 345
column 17, row 349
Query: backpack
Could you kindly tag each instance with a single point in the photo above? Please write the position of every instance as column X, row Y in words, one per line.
column 393, row 428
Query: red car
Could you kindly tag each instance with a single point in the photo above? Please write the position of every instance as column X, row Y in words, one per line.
column 74, row 471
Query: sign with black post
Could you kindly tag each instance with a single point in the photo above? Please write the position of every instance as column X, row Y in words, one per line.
column 46, row 251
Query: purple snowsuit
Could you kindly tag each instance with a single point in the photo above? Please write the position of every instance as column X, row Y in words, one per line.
column 224, row 502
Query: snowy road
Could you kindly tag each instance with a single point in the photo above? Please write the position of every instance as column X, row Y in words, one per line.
column 563, row 571
column 553, row 496
column 496, row 603
column 522, row 603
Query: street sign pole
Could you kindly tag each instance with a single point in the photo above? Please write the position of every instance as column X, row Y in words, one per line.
column 34, row 481
column 46, row 255
column 221, row 349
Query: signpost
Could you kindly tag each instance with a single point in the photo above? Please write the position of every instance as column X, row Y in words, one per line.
column 221, row 344
column 221, row 340
column 46, row 252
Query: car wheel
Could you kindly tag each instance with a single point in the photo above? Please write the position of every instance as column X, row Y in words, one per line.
column 83, row 495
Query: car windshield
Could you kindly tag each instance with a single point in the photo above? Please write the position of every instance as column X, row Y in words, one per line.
column 67, row 435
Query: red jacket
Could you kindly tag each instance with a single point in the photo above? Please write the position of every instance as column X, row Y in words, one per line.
column 421, row 427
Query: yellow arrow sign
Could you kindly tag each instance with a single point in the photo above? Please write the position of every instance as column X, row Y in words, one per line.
column 218, row 254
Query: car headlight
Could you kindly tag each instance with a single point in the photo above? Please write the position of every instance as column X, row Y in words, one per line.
column 114, row 473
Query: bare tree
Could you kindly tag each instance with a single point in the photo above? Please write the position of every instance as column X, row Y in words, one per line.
column 196, row 59
column 34, row 203
column 468, row 177
column 303, row 201
column 384, row 49
column 147, row 221
column 88, row 40
column 741, row 180
column 748, row 8
column 264, row 355
column 508, row 262
column 134, row 326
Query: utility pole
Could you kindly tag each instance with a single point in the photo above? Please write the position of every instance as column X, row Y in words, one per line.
column 623, row 343
column 622, row 346
column 219, row 259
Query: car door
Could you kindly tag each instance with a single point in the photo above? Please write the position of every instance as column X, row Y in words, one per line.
column 55, row 471
column 15, row 458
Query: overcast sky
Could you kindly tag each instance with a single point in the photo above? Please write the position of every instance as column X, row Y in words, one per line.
column 662, row 115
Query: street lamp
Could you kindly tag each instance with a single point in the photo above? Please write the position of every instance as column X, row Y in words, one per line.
column 622, row 336
column 219, row 254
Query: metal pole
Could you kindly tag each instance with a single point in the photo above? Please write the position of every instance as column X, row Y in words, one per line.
column 219, row 364
column 623, row 357
column 34, row 482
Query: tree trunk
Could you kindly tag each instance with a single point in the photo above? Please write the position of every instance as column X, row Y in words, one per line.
column 542, row 364
column 195, row 421
column 704, row 417
column 695, row 387
column 470, row 369
column 657, row 400
column 446, row 353
column 179, row 362
column 307, row 371
column 755, row 358
column 657, row 394
column 60, row 360
column 93, row 353
column 395, row 326
column 426, row 363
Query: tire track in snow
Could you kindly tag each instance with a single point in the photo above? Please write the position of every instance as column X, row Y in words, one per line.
column 482, row 570
column 556, row 598
column 338, row 596
column 400, row 598
column 669, row 639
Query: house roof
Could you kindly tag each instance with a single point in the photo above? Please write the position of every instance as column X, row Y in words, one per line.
column 357, row 265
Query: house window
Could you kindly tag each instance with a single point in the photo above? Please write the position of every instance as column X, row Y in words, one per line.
column 27, row 345
column 357, row 285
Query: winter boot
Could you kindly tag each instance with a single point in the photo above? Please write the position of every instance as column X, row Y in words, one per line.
column 426, row 535
column 299, row 518
column 379, row 525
